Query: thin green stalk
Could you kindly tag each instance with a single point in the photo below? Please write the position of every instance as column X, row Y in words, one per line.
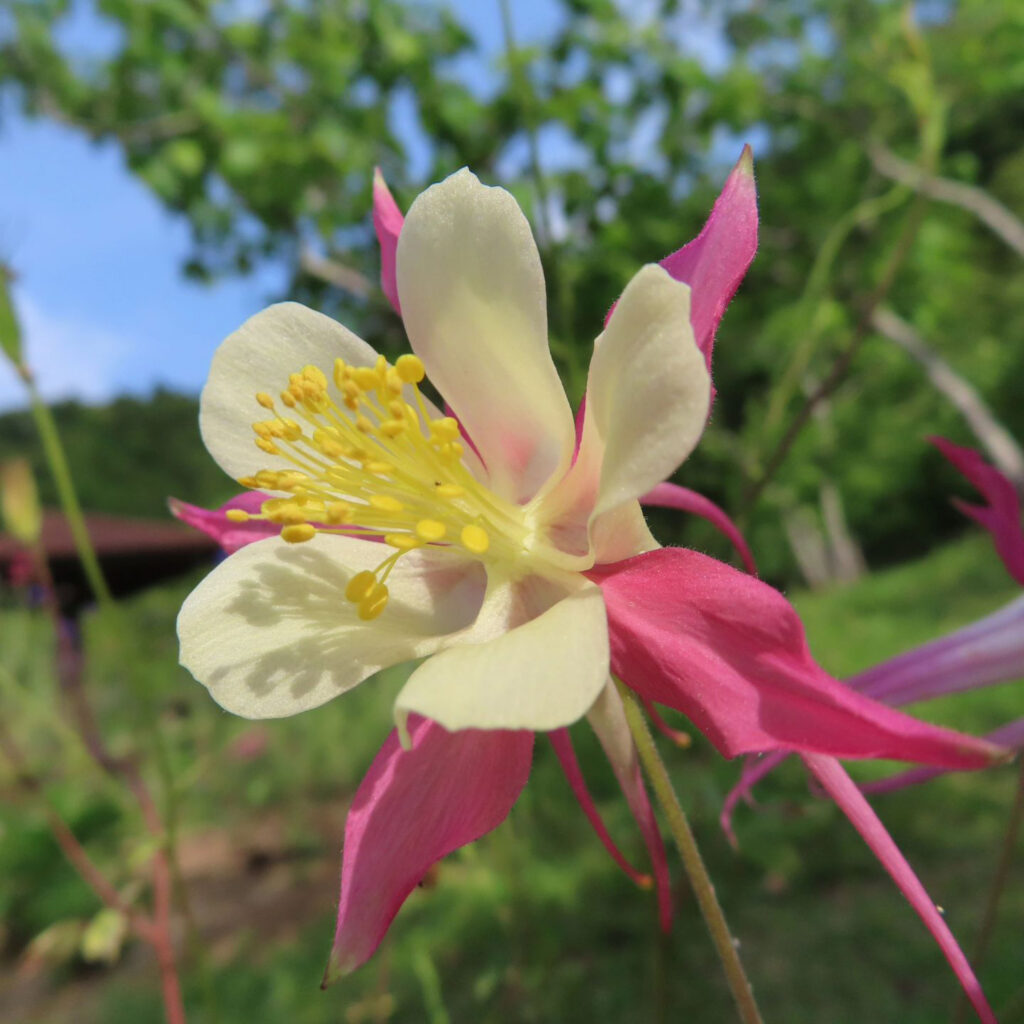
column 704, row 890
column 53, row 449
column 995, row 894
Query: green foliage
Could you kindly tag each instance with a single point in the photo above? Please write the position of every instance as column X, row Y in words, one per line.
column 261, row 124
column 533, row 923
column 126, row 457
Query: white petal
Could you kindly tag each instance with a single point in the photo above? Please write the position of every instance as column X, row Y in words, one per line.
column 648, row 391
column 270, row 633
column 608, row 720
column 620, row 533
column 473, row 303
column 259, row 356
column 541, row 675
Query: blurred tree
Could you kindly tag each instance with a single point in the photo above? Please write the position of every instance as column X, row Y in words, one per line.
column 261, row 123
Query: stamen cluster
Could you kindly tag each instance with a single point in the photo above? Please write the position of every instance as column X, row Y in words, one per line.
column 376, row 465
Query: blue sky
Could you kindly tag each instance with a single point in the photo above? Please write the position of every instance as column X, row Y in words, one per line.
column 103, row 305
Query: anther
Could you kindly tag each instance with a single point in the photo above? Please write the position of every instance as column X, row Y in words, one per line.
column 265, row 400
column 474, row 538
column 236, row 515
column 298, row 532
column 268, row 446
column 386, row 503
column 338, row 512
column 373, row 603
column 402, row 541
column 366, row 377
column 446, row 429
column 430, row 530
column 410, row 368
column 360, row 585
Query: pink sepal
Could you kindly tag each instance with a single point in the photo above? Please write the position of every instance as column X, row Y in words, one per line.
column 841, row 788
column 1010, row 735
column 669, row 495
column 754, row 770
column 1001, row 516
column 715, row 262
column 230, row 536
column 387, row 222
column 729, row 652
column 413, row 808
column 566, row 754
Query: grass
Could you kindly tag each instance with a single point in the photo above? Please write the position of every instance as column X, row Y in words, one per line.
column 534, row 923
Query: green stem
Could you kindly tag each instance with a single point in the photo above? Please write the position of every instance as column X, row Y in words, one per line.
column 697, row 872
column 998, row 887
column 53, row 449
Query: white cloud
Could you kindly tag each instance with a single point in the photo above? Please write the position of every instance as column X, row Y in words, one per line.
column 70, row 358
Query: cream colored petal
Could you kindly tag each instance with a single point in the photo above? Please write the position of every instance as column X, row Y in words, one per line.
column 541, row 675
column 608, row 720
column 620, row 533
column 648, row 391
column 473, row 303
column 270, row 633
column 259, row 356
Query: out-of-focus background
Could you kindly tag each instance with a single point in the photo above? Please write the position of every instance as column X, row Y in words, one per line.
column 168, row 167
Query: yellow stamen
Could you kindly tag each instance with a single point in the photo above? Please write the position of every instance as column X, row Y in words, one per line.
column 298, row 532
column 430, row 530
column 373, row 603
column 360, row 585
column 363, row 460
column 402, row 541
column 385, row 503
column 474, row 538
column 410, row 368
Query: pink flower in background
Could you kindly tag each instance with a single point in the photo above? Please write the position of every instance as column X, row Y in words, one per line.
column 519, row 564
column 983, row 653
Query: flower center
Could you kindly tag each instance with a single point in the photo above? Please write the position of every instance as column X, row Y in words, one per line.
column 377, row 466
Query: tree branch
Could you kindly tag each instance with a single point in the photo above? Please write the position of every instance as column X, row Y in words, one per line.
column 1003, row 222
column 991, row 434
column 348, row 279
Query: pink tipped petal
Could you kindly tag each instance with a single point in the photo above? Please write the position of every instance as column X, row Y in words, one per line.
column 715, row 262
column 387, row 222
column 214, row 523
column 668, row 495
column 608, row 720
column 729, row 652
column 851, row 801
column 1010, row 736
column 562, row 743
column 753, row 772
column 988, row 651
column 413, row 808
column 1001, row 516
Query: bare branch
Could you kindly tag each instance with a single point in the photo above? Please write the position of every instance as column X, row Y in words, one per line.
column 991, row 434
column 348, row 279
column 1006, row 224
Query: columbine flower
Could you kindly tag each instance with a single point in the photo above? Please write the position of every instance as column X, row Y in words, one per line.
column 511, row 555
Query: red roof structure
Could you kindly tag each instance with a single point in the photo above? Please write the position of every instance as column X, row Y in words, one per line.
column 134, row 554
